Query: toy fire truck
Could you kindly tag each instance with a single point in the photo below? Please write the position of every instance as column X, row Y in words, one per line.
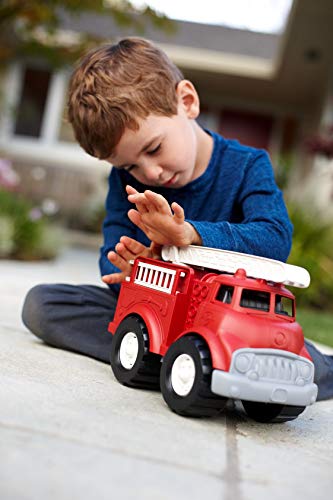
column 213, row 325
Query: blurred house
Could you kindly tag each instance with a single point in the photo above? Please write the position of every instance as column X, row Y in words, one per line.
column 268, row 91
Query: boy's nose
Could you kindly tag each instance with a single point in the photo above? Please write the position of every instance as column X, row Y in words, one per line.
column 152, row 172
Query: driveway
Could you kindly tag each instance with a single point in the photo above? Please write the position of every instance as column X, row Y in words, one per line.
column 69, row 430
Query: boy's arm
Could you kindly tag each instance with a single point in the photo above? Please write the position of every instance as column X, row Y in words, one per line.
column 264, row 228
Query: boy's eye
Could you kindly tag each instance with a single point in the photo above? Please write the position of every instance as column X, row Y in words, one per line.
column 153, row 151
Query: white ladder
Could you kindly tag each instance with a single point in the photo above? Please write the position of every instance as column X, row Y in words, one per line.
column 229, row 262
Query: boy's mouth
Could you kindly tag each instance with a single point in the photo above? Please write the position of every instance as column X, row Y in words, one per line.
column 171, row 181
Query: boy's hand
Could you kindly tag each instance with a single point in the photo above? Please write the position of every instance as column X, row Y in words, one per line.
column 126, row 250
column 162, row 223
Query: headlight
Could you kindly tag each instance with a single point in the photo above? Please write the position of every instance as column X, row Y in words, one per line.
column 243, row 362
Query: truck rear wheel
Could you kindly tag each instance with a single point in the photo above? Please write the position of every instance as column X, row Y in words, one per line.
column 131, row 362
column 271, row 413
column 186, row 378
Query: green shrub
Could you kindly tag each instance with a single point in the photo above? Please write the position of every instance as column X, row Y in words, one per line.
column 313, row 249
column 317, row 325
column 25, row 232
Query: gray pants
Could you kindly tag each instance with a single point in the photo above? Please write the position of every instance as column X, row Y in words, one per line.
column 76, row 317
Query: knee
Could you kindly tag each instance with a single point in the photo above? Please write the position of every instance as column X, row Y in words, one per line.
column 34, row 313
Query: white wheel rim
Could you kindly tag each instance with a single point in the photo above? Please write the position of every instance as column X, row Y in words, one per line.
column 128, row 352
column 183, row 375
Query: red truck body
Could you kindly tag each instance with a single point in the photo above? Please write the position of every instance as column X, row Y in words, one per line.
column 229, row 313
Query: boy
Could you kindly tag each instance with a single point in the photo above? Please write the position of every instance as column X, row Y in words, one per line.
column 130, row 105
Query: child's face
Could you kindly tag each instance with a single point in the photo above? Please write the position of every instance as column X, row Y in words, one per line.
column 162, row 152
column 165, row 151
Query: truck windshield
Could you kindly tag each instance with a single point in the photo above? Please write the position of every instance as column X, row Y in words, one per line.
column 284, row 305
column 255, row 299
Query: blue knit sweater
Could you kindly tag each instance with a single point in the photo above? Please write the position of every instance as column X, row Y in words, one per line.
column 234, row 205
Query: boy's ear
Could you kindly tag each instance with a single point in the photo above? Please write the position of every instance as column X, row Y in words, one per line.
column 188, row 98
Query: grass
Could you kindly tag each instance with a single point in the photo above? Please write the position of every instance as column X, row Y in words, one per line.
column 317, row 325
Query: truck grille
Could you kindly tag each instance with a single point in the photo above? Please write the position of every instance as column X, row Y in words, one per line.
column 272, row 364
column 273, row 367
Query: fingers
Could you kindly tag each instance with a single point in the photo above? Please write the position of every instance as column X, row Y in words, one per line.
column 118, row 261
column 139, row 201
column 133, row 246
column 148, row 201
column 126, row 250
column 136, row 218
column 129, row 249
column 131, row 189
column 145, row 226
column 123, row 252
column 178, row 212
column 115, row 278
column 122, row 264
column 162, row 223
column 157, row 202
column 137, row 198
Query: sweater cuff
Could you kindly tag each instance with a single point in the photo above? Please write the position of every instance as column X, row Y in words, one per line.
column 215, row 235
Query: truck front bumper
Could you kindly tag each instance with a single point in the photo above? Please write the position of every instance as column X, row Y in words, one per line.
column 267, row 376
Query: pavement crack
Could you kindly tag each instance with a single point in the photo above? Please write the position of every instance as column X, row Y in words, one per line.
column 232, row 474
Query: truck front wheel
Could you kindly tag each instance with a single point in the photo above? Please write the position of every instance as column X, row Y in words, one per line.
column 186, row 378
column 271, row 412
column 131, row 362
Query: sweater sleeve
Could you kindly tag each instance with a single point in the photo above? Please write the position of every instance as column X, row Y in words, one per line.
column 265, row 228
column 116, row 222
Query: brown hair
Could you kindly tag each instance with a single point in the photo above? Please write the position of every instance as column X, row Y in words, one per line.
column 115, row 85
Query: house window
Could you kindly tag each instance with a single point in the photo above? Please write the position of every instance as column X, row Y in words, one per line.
column 66, row 133
column 31, row 104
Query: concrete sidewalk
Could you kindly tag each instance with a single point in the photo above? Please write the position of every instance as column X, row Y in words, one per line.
column 69, row 430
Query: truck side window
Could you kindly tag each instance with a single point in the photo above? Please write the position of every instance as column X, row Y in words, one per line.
column 254, row 299
column 225, row 294
column 284, row 305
